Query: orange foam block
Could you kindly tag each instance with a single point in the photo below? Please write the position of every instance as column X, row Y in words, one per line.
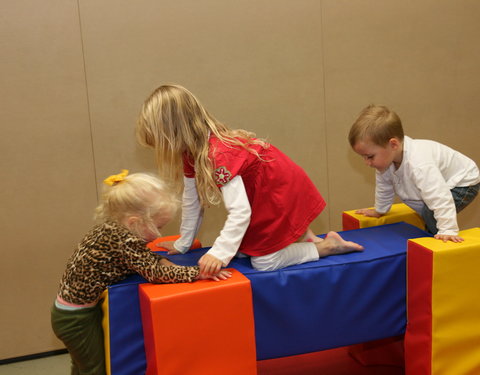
column 398, row 212
column 153, row 245
column 199, row 328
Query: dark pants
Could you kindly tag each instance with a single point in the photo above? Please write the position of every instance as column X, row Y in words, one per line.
column 81, row 332
column 462, row 197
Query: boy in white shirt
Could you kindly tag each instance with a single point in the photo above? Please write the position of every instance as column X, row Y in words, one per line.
column 431, row 178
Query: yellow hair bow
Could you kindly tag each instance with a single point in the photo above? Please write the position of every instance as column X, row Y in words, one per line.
column 116, row 178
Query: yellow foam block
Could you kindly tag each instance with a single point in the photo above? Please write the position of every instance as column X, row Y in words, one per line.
column 455, row 303
column 398, row 213
column 106, row 330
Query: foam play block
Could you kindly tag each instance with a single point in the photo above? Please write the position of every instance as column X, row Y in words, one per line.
column 199, row 328
column 443, row 330
column 399, row 212
column 336, row 301
column 387, row 351
column 124, row 347
column 153, row 245
column 106, row 330
column 122, row 319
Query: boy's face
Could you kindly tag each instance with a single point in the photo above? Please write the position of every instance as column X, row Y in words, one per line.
column 375, row 156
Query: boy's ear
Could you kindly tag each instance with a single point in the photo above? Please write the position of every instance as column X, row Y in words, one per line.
column 394, row 143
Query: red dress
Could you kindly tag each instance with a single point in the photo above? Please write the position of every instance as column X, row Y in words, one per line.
column 283, row 199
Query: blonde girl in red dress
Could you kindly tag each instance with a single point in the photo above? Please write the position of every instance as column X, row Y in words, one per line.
column 270, row 200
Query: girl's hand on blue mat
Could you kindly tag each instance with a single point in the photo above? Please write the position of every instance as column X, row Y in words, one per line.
column 370, row 212
column 168, row 245
column 447, row 237
column 209, row 265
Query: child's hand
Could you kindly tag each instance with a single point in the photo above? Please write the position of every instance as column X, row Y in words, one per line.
column 166, row 262
column 447, row 237
column 222, row 275
column 169, row 246
column 370, row 212
column 209, row 265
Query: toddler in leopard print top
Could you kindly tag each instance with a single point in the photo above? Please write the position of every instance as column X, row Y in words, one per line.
column 133, row 210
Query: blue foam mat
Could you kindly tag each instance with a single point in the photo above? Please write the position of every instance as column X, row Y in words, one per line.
column 338, row 300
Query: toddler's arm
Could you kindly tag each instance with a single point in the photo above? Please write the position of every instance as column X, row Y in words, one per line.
column 166, row 262
column 135, row 256
column 384, row 192
column 221, row 275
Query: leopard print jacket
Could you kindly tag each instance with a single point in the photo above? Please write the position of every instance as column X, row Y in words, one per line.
column 108, row 254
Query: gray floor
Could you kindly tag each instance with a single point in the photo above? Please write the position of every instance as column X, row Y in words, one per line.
column 54, row 365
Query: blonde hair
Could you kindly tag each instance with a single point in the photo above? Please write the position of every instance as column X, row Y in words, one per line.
column 139, row 194
column 173, row 122
column 377, row 123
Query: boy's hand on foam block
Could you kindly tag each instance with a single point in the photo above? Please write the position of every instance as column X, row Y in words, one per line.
column 370, row 212
column 447, row 237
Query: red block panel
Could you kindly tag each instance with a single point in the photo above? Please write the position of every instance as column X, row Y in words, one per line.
column 349, row 222
column 418, row 336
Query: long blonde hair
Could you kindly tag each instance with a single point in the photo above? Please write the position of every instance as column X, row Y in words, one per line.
column 173, row 122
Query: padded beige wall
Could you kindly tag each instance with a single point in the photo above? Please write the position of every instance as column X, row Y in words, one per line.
column 421, row 59
column 48, row 171
column 74, row 74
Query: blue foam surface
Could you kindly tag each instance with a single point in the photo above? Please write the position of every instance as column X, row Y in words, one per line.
column 336, row 301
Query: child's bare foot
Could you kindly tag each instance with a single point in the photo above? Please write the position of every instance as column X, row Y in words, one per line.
column 335, row 244
column 309, row 236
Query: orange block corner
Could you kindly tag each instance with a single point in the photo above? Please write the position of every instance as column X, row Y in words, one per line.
column 153, row 245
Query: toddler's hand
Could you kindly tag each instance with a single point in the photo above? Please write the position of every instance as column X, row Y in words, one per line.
column 168, row 245
column 222, row 275
column 209, row 265
column 173, row 252
column 447, row 237
column 370, row 212
column 166, row 262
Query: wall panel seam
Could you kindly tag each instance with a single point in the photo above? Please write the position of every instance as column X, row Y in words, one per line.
column 327, row 164
column 82, row 46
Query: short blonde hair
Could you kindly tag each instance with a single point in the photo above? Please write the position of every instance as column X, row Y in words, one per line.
column 174, row 123
column 139, row 194
column 377, row 123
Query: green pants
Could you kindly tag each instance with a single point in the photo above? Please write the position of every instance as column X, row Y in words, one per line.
column 81, row 332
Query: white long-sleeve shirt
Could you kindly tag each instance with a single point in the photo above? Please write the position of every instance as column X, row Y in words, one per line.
column 239, row 212
column 429, row 170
